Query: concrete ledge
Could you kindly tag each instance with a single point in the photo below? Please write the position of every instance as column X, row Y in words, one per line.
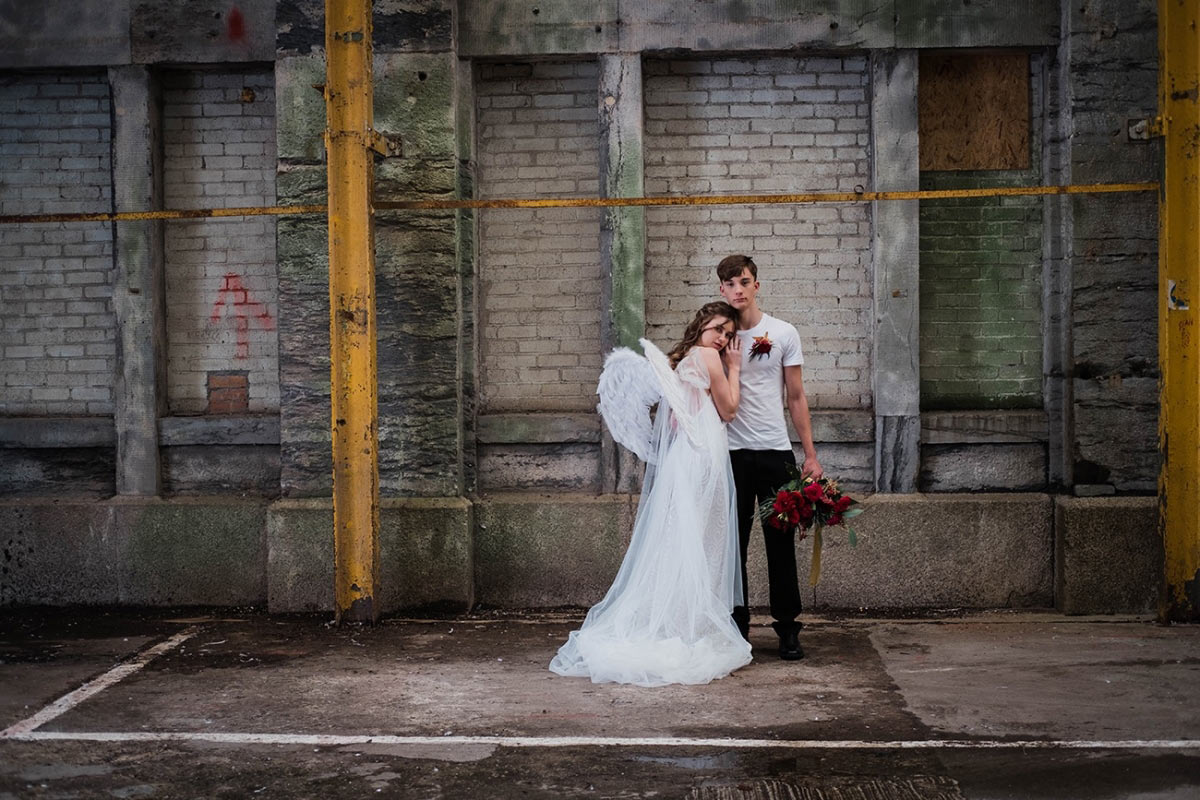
column 1085, row 555
column 551, row 549
column 121, row 551
column 425, row 549
column 1108, row 555
column 960, row 550
column 983, row 427
column 978, row 551
column 34, row 432
column 239, row 429
column 537, row 428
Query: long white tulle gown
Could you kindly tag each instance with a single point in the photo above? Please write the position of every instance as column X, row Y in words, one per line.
column 666, row 618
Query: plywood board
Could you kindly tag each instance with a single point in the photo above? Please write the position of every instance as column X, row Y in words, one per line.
column 974, row 111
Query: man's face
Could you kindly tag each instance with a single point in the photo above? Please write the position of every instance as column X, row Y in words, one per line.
column 740, row 291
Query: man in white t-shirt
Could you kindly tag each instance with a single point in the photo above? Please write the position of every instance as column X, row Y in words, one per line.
column 760, row 449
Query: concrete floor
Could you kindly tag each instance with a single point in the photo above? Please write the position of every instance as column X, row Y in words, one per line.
column 991, row 705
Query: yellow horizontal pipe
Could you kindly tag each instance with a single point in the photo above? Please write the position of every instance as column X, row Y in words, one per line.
column 600, row 202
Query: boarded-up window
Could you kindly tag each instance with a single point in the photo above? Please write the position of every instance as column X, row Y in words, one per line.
column 974, row 111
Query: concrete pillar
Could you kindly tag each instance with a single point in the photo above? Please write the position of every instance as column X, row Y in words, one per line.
column 138, row 288
column 1058, row 227
column 896, row 356
column 622, row 231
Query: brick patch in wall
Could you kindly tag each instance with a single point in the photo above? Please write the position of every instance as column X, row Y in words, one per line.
column 58, row 342
column 222, row 287
column 228, row 392
column 538, row 134
column 765, row 125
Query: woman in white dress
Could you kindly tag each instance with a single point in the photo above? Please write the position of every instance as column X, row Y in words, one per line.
column 666, row 618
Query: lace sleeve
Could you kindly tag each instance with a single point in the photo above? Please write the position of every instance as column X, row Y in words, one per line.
column 680, row 400
column 692, row 370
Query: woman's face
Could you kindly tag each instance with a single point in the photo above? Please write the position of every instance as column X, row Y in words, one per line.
column 717, row 332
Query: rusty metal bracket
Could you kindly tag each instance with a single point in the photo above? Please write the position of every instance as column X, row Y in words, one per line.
column 386, row 144
column 1145, row 129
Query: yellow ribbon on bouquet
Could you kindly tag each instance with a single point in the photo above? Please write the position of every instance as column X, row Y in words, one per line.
column 814, row 569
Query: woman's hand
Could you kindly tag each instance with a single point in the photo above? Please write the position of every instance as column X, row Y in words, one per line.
column 732, row 355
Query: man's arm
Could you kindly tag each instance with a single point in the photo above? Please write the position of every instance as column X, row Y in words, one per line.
column 797, row 403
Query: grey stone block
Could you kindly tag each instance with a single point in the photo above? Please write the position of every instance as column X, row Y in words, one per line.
column 64, row 33
column 424, row 544
column 133, row 552
column 216, row 31
column 549, row 550
column 914, row 551
column 1108, row 555
column 986, row 467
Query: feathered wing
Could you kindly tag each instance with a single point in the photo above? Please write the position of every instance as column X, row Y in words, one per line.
column 628, row 387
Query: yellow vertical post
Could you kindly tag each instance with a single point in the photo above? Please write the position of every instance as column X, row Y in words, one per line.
column 348, row 98
column 1178, row 306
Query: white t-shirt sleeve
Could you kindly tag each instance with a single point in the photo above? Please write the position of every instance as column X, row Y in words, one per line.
column 793, row 354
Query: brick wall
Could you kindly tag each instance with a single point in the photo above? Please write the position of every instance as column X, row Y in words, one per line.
column 222, row 301
column 757, row 126
column 981, row 288
column 539, row 297
column 58, row 337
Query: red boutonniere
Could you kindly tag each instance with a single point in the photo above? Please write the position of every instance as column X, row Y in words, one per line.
column 761, row 347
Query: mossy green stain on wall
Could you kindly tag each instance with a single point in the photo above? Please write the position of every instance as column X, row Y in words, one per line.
column 414, row 99
column 981, row 295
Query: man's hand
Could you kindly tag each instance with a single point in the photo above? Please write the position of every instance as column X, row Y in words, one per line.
column 812, row 469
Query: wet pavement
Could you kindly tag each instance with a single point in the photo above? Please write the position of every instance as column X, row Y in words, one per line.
column 222, row 704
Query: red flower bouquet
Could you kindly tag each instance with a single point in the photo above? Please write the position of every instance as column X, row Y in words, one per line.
column 805, row 503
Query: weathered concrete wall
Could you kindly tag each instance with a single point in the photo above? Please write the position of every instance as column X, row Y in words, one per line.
column 523, row 550
column 489, row 28
column 1108, row 555
column 424, row 543
column 69, row 33
column 1113, row 79
column 133, row 552
column 419, row 289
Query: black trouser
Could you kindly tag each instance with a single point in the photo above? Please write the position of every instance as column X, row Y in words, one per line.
column 757, row 475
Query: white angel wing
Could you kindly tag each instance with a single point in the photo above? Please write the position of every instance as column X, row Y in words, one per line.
column 628, row 387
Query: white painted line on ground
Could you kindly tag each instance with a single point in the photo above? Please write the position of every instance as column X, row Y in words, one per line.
column 93, row 687
column 333, row 740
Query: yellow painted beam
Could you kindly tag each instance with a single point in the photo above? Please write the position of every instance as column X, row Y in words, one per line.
column 587, row 202
column 1178, row 306
column 348, row 106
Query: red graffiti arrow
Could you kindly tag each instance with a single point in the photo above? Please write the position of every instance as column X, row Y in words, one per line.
column 234, row 294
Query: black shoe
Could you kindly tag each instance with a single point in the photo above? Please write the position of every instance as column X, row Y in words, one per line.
column 741, row 618
column 789, row 646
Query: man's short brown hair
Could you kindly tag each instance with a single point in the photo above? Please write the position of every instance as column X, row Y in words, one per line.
column 732, row 266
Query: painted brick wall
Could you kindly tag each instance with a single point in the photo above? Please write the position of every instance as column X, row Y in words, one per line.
column 58, row 337
column 539, row 269
column 222, row 301
column 756, row 126
column 981, row 287
column 981, row 295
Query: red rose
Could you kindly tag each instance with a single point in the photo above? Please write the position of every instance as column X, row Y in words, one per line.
column 836, row 519
column 815, row 492
column 842, row 503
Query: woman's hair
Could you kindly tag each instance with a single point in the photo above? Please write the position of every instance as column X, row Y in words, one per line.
column 691, row 334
